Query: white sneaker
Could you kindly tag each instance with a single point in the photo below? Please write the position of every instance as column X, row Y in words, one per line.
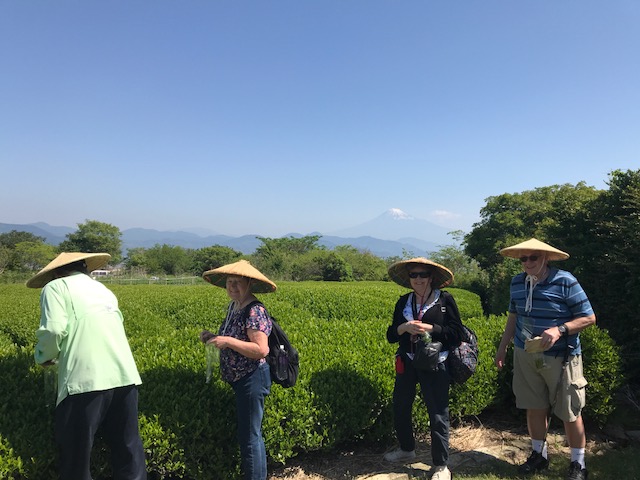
column 441, row 473
column 399, row 455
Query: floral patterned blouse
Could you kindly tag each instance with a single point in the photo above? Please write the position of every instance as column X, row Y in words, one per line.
column 233, row 365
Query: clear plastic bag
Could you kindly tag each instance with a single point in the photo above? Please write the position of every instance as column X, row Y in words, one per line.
column 212, row 356
column 51, row 384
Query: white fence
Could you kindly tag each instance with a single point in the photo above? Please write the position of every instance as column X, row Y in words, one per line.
column 151, row 280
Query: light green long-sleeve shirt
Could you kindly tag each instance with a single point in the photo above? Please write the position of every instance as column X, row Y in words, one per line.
column 82, row 327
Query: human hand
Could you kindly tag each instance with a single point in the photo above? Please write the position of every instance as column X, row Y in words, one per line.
column 554, row 334
column 549, row 337
column 416, row 327
column 220, row 341
column 499, row 359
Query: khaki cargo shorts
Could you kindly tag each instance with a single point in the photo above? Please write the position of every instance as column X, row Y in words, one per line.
column 535, row 383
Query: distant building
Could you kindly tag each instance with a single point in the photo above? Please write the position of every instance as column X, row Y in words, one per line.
column 100, row 273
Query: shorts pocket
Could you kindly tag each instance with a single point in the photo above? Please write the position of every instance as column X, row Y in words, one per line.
column 578, row 394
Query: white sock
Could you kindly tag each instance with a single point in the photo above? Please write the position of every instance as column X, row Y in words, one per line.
column 539, row 446
column 577, row 455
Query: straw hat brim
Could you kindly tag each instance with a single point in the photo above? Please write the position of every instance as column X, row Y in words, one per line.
column 520, row 249
column 44, row 276
column 399, row 272
column 218, row 276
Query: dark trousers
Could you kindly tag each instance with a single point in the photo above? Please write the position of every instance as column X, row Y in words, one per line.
column 115, row 413
column 434, row 387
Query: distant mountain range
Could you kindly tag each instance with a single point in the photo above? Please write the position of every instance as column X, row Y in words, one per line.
column 390, row 234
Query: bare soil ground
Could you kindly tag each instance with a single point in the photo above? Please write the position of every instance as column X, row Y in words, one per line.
column 472, row 444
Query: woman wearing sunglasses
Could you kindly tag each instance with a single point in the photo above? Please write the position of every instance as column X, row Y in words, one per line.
column 547, row 310
column 426, row 310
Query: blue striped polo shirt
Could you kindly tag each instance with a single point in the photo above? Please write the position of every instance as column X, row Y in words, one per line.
column 556, row 300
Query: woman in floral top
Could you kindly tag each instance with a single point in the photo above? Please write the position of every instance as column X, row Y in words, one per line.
column 243, row 343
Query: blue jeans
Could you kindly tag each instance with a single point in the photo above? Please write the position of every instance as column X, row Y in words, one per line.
column 434, row 387
column 250, row 392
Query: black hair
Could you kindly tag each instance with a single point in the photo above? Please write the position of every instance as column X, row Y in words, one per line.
column 79, row 266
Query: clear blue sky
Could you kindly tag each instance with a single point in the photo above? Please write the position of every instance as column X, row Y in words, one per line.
column 272, row 116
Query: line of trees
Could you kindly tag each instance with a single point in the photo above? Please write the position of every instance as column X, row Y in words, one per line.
column 287, row 258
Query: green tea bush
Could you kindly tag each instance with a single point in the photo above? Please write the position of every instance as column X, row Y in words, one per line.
column 343, row 394
column 481, row 389
column 603, row 370
column 10, row 464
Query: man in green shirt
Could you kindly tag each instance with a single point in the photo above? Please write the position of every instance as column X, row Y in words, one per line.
column 81, row 329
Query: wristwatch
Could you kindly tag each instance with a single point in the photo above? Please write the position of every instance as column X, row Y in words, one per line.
column 563, row 330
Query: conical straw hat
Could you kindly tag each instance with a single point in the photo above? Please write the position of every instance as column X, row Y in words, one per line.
column 44, row 276
column 516, row 251
column 399, row 272
column 218, row 276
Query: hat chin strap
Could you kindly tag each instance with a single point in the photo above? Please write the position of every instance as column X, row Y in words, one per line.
column 530, row 281
column 424, row 295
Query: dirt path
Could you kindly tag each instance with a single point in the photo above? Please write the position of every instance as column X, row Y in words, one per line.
column 470, row 445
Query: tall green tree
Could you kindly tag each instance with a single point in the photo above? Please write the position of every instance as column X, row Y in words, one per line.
column 167, row 259
column 364, row 264
column 10, row 239
column 604, row 243
column 30, row 256
column 95, row 237
column 276, row 256
column 135, row 257
column 294, row 245
column 134, row 262
column 5, row 257
column 509, row 218
column 24, row 251
column 466, row 270
column 333, row 267
column 215, row 256
column 546, row 213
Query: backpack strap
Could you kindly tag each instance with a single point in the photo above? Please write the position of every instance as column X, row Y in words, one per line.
column 444, row 299
column 440, row 303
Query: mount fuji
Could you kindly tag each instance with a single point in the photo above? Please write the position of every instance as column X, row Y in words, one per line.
column 397, row 225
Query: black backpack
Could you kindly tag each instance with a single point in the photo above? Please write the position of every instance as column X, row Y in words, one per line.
column 463, row 359
column 282, row 358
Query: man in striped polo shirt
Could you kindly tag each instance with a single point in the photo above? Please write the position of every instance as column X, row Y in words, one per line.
column 547, row 311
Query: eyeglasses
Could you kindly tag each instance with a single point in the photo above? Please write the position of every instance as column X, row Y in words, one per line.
column 419, row 274
column 533, row 258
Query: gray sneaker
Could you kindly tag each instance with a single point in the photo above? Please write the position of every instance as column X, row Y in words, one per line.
column 399, row 455
column 441, row 473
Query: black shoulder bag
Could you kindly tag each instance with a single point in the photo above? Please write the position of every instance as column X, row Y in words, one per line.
column 427, row 354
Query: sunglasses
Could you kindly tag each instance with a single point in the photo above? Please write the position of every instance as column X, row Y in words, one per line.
column 533, row 258
column 419, row 274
